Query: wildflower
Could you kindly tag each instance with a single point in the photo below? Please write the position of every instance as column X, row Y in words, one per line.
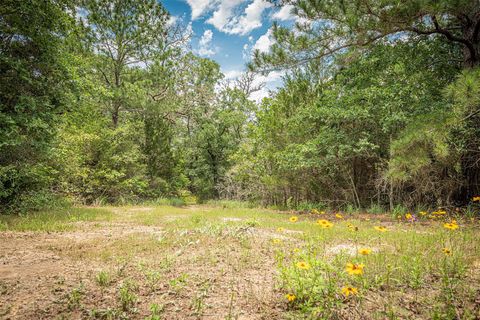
column 451, row 225
column 476, row 199
column 423, row 213
column 349, row 291
column 322, row 212
column 296, row 250
column 447, row 251
column 381, row 228
column 439, row 212
column 290, row 297
column 303, row 265
column 324, row 223
column 276, row 241
column 365, row 251
column 293, row 219
column 339, row 216
column 354, row 269
column 408, row 216
column 314, row 211
column 280, row 229
column 352, row 227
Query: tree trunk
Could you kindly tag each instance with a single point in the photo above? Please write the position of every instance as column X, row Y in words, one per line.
column 471, row 33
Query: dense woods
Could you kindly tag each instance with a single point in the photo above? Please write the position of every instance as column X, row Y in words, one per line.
column 104, row 102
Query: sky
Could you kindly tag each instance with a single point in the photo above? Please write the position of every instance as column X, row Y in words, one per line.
column 228, row 30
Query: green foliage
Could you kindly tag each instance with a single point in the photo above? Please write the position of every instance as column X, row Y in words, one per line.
column 33, row 83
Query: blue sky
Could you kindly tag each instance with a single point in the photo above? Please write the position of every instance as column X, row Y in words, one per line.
column 227, row 30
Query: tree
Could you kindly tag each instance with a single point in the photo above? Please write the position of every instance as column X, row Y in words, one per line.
column 34, row 80
column 325, row 28
column 125, row 33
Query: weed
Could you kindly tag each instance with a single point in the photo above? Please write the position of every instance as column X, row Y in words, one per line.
column 103, row 278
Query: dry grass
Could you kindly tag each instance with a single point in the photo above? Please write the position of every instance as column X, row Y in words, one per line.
column 202, row 262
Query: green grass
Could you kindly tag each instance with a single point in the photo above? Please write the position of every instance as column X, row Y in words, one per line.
column 189, row 251
column 53, row 220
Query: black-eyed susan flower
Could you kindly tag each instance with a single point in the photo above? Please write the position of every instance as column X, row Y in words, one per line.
column 293, row 219
column 408, row 216
column 349, row 291
column 280, row 229
column 447, row 251
column 381, row 228
column 290, row 297
column 450, row 226
column 365, row 251
column 354, row 269
column 324, row 223
column 303, row 265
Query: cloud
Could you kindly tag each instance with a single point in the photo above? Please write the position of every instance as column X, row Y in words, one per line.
column 205, row 44
column 285, row 13
column 229, row 18
column 264, row 42
column 199, row 7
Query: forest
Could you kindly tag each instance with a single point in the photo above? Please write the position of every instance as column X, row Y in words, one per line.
column 103, row 102
column 240, row 159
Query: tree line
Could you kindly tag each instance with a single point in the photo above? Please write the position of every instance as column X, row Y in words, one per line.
column 104, row 102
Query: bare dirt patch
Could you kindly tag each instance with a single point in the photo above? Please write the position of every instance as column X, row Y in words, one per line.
column 197, row 276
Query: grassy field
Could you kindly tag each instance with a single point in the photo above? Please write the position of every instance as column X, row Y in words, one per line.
column 214, row 262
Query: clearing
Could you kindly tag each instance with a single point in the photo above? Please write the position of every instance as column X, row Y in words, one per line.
column 207, row 262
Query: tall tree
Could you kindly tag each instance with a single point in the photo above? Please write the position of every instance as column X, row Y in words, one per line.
column 33, row 82
column 325, row 28
column 125, row 33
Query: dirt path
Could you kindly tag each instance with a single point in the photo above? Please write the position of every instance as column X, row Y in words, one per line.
column 189, row 275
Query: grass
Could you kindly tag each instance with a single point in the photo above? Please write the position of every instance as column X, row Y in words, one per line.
column 229, row 261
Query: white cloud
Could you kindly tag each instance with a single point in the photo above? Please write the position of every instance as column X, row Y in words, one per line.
column 246, row 52
column 205, row 44
column 264, row 42
column 285, row 13
column 199, row 7
column 232, row 74
column 172, row 20
column 225, row 16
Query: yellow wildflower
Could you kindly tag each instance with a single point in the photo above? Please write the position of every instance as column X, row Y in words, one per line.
column 303, row 265
column 290, row 297
column 381, row 228
column 365, row 251
column 339, row 216
column 476, row 199
column 423, row 213
column 349, row 291
column 408, row 216
column 324, row 223
column 280, row 229
column 354, row 269
column 451, row 226
column 293, row 219
column 314, row 211
column 447, row 251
